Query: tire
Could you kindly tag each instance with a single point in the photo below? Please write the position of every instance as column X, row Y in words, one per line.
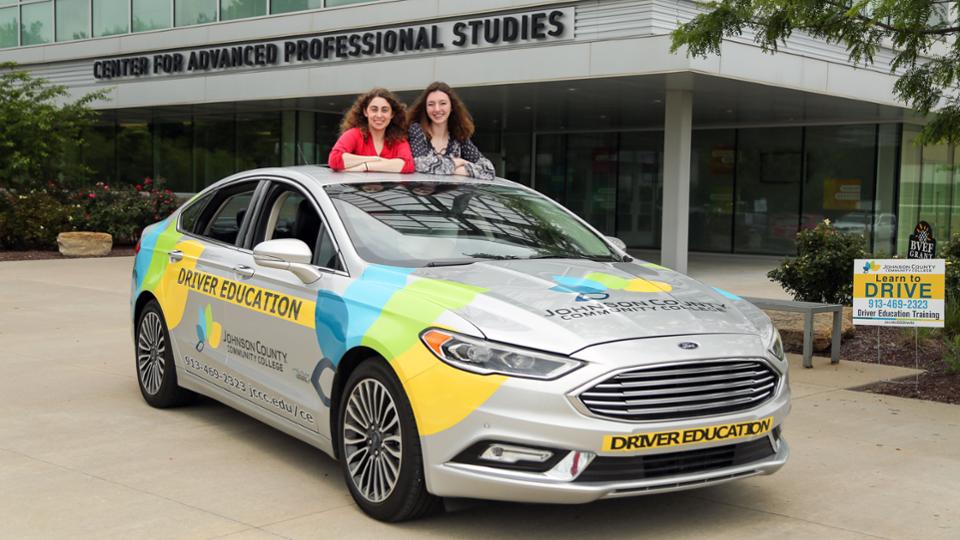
column 391, row 438
column 153, row 360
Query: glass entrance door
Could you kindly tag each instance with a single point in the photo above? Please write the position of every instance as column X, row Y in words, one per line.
column 613, row 181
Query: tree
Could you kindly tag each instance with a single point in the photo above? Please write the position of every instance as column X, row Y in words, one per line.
column 40, row 132
column 920, row 32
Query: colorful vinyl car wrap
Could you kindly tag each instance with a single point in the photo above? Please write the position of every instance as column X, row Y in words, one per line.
column 385, row 310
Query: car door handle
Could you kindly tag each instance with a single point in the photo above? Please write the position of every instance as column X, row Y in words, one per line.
column 244, row 271
column 175, row 255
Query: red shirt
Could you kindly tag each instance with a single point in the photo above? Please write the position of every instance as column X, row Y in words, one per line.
column 353, row 142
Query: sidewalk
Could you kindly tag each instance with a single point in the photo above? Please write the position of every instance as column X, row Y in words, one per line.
column 82, row 456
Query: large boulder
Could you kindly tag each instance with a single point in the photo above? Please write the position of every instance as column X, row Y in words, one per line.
column 791, row 328
column 84, row 244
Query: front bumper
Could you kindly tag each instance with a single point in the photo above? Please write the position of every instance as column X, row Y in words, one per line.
column 543, row 414
column 471, row 481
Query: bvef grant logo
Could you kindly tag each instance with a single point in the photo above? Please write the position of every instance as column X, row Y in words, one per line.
column 208, row 330
column 594, row 286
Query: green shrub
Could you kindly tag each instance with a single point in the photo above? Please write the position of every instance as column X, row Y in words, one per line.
column 823, row 268
column 32, row 220
column 951, row 354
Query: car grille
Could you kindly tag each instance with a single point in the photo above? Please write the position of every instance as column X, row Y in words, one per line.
column 619, row 469
column 679, row 391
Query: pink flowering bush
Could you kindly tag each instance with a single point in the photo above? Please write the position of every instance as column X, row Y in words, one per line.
column 123, row 211
column 32, row 219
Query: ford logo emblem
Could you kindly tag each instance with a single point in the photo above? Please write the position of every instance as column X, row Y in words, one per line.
column 688, row 345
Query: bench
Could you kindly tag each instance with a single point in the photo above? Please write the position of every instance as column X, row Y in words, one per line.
column 809, row 309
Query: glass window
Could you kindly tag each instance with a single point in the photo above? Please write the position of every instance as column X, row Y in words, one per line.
column 592, row 179
column 288, row 213
column 224, row 216
column 640, row 189
column 152, row 15
column 288, row 147
column 73, row 19
column 258, row 140
column 884, row 218
column 8, row 27
column 191, row 214
column 517, row 158
column 195, row 11
column 417, row 224
column 110, row 17
column 36, row 23
column 134, row 146
column 840, row 175
column 286, row 6
column 910, row 165
column 241, row 9
column 712, row 167
column 214, row 155
column 172, row 153
column 327, row 132
column 769, row 170
column 100, row 151
column 551, row 176
column 331, row 3
column 306, row 144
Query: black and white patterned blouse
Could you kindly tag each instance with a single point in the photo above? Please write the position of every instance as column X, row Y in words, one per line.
column 428, row 160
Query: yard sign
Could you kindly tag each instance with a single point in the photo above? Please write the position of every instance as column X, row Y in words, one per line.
column 898, row 292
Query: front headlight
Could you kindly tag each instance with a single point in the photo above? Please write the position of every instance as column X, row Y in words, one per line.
column 777, row 346
column 484, row 357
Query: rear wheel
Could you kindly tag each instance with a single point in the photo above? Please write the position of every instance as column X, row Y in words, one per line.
column 380, row 446
column 156, row 372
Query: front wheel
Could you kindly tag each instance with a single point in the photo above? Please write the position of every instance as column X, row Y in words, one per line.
column 156, row 372
column 379, row 446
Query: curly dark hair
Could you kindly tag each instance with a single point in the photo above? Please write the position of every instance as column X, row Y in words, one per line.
column 397, row 128
column 460, row 123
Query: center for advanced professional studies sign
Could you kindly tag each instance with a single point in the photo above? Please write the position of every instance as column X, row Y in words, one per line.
column 898, row 292
column 442, row 36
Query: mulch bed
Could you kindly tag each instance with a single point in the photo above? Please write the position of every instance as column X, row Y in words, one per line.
column 897, row 349
column 122, row 251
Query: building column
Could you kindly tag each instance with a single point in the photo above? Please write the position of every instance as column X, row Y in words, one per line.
column 678, row 120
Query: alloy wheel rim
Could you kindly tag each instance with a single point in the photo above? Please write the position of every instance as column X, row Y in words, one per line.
column 151, row 348
column 372, row 440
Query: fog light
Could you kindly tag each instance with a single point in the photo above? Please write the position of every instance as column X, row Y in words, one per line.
column 571, row 466
column 505, row 453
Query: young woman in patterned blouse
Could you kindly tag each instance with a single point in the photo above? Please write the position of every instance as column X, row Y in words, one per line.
column 373, row 136
column 439, row 135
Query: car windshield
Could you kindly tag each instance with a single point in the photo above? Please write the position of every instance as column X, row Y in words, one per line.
column 417, row 224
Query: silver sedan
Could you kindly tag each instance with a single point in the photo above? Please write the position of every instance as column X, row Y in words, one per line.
column 446, row 337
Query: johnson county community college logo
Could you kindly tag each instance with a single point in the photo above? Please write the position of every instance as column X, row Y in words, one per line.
column 594, row 286
column 871, row 266
column 208, row 330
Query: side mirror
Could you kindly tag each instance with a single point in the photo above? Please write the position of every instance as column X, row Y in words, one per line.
column 617, row 243
column 287, row 254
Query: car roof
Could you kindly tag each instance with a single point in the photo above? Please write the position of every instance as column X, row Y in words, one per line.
column 325, row 176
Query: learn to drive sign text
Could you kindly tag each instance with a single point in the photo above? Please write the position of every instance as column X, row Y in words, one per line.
column 898, row 292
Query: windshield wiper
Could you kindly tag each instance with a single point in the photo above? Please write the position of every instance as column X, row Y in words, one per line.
column 581, row 256
column 476, row 257
column 456, row 262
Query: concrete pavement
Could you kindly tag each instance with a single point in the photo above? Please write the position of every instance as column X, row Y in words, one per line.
column 82, row 456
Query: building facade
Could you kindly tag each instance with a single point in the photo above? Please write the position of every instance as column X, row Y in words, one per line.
column 580, row 99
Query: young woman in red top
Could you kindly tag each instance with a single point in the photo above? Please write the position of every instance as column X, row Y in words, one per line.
column 373, row 136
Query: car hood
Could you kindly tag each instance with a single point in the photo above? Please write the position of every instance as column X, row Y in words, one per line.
column 565, row 305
